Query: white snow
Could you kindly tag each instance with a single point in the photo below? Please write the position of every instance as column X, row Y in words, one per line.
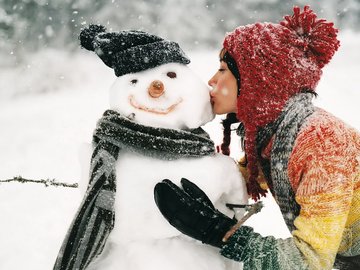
column 41, row 135
column 138, row 222
column 183, row 104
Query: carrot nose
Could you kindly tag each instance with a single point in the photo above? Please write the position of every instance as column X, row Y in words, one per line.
column 156, row 89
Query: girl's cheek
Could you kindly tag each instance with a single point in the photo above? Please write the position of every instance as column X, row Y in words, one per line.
column 224, row 91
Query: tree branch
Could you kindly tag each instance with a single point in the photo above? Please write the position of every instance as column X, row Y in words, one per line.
column 46, row 182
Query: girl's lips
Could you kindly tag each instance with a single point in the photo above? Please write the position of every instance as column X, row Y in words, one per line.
column 163, row 111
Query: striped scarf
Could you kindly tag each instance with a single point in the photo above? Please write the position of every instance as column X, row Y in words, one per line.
column 95, row 218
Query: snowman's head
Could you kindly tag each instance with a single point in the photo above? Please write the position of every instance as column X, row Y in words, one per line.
column 168, row 96
column 154, row 86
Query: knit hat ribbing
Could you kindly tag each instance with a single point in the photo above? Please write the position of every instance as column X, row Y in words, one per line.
column 130, row 51
column 277, row 61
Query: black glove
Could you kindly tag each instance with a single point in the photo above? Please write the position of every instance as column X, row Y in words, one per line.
column 191, row 212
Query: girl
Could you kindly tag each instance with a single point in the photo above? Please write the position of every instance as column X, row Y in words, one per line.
column 307, row 158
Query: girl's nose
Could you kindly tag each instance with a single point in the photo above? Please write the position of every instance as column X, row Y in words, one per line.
column 212, row 81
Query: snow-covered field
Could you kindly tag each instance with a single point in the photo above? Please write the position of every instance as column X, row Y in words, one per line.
column 42, row 131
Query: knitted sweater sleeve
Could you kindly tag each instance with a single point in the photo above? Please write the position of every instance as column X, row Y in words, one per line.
column 321, row 171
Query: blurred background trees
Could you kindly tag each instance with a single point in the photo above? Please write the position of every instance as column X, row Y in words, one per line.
column 32, row 25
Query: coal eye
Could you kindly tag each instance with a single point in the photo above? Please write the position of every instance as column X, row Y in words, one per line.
column 134, row 81
column 171, row 74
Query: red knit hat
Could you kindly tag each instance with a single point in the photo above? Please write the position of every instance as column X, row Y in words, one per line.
column 276, row 61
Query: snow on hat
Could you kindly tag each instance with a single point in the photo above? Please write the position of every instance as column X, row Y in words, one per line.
column 130, row 51
column 277, row 61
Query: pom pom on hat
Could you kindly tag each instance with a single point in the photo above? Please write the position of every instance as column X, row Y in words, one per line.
column 130, row 51
column 275, row 62
column 317, row 37
column 87, row 36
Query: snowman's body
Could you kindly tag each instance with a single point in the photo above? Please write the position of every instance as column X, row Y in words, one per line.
column 142, row 238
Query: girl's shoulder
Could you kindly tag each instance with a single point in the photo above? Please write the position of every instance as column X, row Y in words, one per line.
column 322, row 130
column 326, row 146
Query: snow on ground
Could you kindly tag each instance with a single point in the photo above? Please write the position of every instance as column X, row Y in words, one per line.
column 41, row 134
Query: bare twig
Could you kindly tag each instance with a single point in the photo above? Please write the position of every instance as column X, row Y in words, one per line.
column 252, row 209
column 46, row 182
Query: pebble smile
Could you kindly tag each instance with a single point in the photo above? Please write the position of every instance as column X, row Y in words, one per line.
column 164, row 111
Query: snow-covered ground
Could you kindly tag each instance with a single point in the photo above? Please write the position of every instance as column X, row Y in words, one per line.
column 42, row 131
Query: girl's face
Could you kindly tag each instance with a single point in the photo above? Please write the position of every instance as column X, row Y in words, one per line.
column 224, row 93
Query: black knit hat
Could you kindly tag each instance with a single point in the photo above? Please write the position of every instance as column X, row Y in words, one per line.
column 130, row 51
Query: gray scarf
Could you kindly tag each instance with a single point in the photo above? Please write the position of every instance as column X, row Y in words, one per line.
column 296, row 111
column 285, row 130
column 95, row 218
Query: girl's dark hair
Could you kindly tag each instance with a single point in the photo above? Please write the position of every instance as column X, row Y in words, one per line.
column 308, row 90
column 227, row 122
column 231, row 63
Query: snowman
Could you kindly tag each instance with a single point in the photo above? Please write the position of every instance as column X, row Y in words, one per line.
column 151, row 132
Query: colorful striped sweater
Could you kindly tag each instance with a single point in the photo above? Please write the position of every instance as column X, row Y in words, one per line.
column 324, row 174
